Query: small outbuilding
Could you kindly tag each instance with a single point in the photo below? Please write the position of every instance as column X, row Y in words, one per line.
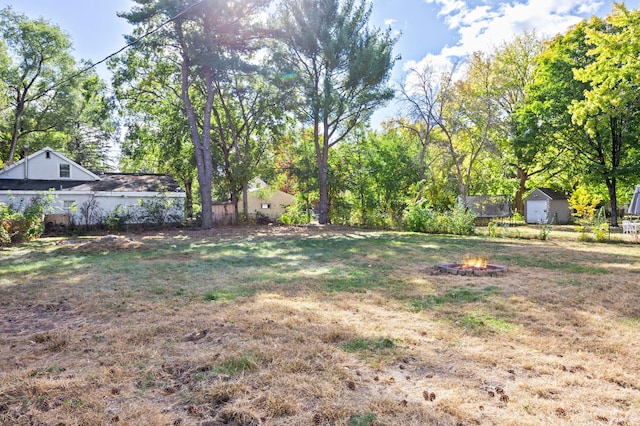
column 544, row 206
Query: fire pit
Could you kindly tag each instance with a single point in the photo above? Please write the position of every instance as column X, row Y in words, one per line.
column 474, row 266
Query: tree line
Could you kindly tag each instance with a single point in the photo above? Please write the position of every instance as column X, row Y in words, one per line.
column 219, row 93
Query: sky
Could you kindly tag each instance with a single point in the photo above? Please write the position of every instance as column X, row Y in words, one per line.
column 428, row 30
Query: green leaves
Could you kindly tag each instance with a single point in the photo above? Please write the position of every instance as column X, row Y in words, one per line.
column 51, row 104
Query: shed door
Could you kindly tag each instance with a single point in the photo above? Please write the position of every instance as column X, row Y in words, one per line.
column 536, row 211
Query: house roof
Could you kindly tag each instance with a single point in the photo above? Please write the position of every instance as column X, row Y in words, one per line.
column 109, row 182
column 552, row 195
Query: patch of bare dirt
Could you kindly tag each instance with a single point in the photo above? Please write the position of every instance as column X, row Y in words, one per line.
column 106, row 243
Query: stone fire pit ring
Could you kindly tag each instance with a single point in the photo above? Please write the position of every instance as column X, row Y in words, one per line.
column 478, row 271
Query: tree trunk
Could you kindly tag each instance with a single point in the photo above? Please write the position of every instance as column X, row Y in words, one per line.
column 522, row 179
column 188, row 198
column 15, row 131
column 245, row 201
column 322, row 154
column 422, row 169
column 234, row 201
column 611, row 186
column 616, row 155
column 201, row 143
column 323, row 218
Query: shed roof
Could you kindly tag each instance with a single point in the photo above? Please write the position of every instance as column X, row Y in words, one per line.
column 109, row 182
column 552, row 195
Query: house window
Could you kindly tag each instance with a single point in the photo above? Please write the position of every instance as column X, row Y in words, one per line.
column 48, row 154
column 265, row 206
column 65, row 171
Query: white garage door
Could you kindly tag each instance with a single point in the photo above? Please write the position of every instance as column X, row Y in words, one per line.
column 536, row 211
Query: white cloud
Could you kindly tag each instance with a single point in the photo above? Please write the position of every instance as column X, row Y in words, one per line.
column 437, row 62
column 485, row 24
column 389, row 22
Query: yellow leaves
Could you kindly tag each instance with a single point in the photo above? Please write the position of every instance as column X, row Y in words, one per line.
column 584, row 204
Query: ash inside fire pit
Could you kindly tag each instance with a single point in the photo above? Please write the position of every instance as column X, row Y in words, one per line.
column 467, row 269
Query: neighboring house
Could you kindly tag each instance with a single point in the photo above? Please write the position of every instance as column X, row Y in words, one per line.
column 545, row 206
column 81, row 196
column 260, row 199
column 272, row 204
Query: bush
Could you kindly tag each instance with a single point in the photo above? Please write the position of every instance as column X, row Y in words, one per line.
column 294, row 216
column 460, row 221
column 421, row 218
column 584, row 204
column 8, row 220
column 23, row 224
column 117, row 220
column 91, row 212
column 545, row 230
column 159, row 211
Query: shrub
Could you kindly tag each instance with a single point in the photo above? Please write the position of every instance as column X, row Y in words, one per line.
column 460, row 221
column 117, row 220
column 601, row 231
column 295, row 216
column 545, row 230
column 23, row 224
column 159, row 211
column 584, row 205
column 421, row 218
column 91, row 212
column 598, row 232
column 8, row 219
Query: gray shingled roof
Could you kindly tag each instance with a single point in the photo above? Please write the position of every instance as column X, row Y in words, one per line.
column 114, row 182
column 553, row 194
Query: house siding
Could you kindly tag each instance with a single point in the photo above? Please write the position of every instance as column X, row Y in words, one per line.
column 39, row 174
column 278, row 203
column 107, row 202
column 38, row 167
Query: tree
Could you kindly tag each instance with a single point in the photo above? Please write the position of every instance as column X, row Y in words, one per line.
column 514, row 66
column 423, row 96
column 148, row 89
column 295, row 169
column 159, row 143
column 569, row 101
column 249, row 111
column 545, row 134
column 384, row 169
column 36, row 56
column 610, row 109
column 89, row 123
column 341, row 68
column 473, row 120
column 207, row 37
column 48, row 99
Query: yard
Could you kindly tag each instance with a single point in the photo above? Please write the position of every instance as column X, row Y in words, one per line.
column 318, row 326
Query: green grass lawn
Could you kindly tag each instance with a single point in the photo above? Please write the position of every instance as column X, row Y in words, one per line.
column 318, row 325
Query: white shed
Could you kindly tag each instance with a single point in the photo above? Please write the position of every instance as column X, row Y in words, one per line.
column 544, row 206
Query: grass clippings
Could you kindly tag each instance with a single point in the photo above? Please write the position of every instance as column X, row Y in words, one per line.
column 319, row 326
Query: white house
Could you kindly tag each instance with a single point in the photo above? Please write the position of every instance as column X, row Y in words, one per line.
column 545, row 206
column 84, row 197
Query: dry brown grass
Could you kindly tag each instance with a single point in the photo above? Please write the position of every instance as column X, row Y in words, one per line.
column 96, row 342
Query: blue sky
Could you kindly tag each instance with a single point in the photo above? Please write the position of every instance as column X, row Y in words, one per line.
column 429, row 29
